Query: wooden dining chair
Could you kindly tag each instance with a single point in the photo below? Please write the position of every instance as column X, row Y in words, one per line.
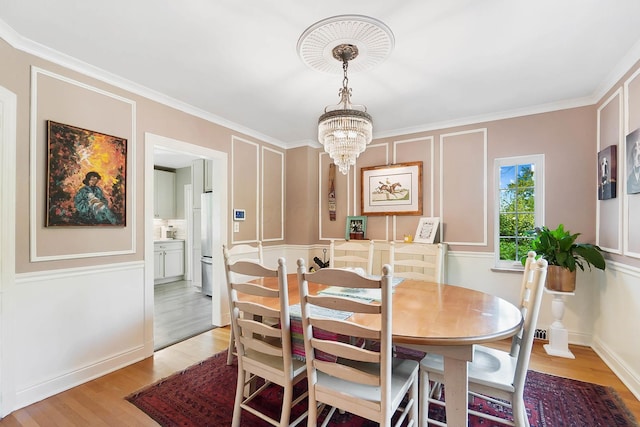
column 495, row 375
column 351, row 254
column 264, row 349
column 419, row 261
column 237, row 253
column 370, row 383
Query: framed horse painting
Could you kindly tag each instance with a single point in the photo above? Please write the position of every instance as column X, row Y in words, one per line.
column 392, row 189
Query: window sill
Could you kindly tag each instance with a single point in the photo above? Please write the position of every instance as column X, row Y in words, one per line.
column 507, row 269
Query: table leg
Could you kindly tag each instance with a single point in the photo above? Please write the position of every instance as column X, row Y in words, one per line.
column 456, row 387
column 456, row 390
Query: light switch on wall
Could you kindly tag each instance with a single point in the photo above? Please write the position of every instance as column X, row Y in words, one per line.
column 236, row 227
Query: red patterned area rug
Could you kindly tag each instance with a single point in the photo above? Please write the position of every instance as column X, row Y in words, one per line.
column 202, row 395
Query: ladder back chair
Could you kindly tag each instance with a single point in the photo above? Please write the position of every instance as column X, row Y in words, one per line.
column 264, row 349
column 246, row 253
column 370, row 383
column 353, row 254
column 495, row 374
column 419, row 261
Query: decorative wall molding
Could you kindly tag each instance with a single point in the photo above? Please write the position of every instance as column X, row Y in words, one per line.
column 627, row 216
column 443, row 219
column 35, row 202
column 282, row 192
column 8, row 125
column 430, row 147
column 620, row 189
column 235, row 140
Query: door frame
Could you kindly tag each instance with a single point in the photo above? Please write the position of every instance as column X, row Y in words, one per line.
column 8, row 141
column 219, row 178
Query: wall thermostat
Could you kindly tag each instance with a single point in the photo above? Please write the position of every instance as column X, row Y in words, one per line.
column 238, row 214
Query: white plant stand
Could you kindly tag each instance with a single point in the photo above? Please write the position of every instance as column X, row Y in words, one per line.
column 558, row 334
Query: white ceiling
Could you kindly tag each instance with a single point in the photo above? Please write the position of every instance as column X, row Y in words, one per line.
column 235, row 62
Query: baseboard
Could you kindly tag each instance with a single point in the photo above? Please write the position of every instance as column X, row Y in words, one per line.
column 69, row 380
column 627, row 377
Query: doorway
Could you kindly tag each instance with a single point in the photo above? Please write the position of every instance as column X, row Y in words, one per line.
column 218, row 302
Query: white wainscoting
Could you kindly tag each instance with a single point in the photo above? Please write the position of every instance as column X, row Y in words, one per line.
column 70, row 326
column 617, row 320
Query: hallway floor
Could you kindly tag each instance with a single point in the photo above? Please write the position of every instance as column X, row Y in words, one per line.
column 181, row 312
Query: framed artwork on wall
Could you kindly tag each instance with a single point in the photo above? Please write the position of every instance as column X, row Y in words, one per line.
column 607, row 173
column 392, row 189
column 86, row 177
column 427, row 230
column 633, row 162
column 356, row 228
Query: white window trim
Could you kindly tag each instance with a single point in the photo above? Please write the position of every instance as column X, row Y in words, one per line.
column 539, row 191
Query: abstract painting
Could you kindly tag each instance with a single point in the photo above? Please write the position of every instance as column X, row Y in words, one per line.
column 86, row 177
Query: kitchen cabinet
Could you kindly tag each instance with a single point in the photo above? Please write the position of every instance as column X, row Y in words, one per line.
column 200, row 179
column 168, row 261
column 164, row 194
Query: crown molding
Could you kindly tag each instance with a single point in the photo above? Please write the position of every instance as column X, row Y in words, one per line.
column 28, row 46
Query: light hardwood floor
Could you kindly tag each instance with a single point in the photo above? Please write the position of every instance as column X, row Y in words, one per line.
column 180, row 311
column 101, row 402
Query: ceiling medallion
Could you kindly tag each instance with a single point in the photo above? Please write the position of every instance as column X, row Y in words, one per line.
column 374, row 39
column 345, row 129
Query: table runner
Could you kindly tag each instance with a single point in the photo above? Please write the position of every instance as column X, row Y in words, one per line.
column 297, row 338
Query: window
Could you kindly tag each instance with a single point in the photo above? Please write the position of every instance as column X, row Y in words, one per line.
column 519, row 207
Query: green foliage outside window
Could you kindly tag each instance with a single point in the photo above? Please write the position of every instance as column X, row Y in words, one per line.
column 517, row 210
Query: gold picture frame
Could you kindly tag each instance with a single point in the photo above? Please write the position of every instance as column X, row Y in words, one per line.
column 391, row 189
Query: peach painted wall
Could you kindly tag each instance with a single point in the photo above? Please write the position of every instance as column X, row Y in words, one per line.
column 456, row 168
column 60, row 97
column 301, row 184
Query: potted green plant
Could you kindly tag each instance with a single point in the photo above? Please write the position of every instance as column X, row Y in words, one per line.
column 563, row 254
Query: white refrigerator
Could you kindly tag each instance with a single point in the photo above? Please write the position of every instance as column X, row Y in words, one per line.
column 207, row 231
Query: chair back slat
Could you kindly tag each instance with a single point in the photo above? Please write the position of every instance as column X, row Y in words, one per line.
column 343, row 371
column 346, row 351
column 258, row 345
column 351, row 254
column 343, row 304
column 418, row 261
column 246, row 252
column 345, row 328
column 254, row 327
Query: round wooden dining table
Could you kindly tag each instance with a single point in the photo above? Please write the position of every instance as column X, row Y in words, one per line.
column 443, row 319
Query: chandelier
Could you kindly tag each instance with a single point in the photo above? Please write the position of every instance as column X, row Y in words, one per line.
column 345, row 129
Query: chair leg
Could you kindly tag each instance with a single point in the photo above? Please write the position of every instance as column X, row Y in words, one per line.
column 424, row 398
column 287, row 398
column 520, row 418
column 232, row 347
column 414, row 394
column 312, row 415
column 237, row 410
